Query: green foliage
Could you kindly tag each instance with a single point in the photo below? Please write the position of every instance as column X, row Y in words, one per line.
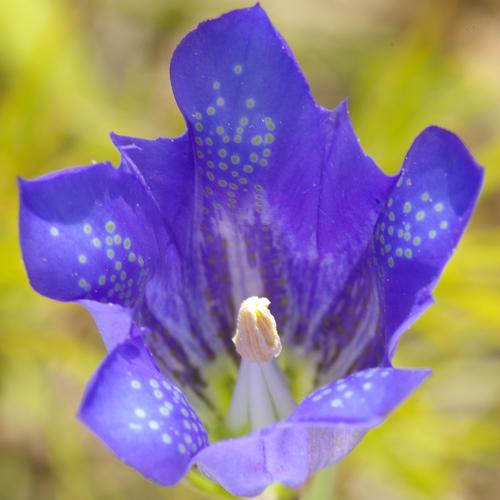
column 70, row 71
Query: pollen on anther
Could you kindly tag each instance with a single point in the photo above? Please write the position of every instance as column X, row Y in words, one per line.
column 256, row 336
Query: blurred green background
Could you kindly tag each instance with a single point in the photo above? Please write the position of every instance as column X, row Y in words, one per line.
column 72, row 70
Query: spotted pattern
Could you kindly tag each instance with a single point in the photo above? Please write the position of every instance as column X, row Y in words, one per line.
column 232, row 152
column 249, row 143
column 171, row 405
column 162, row 430
column 363, row 397
column 412, row 222
column 422, row 222
column 106, row 267
column 85, row 230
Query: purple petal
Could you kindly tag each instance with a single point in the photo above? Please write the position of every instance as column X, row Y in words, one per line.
column 114, row 322
column 253, row 125
column 321, row 431
column 286, row 453
column 422, row 223
column 342, row 314
column 353, row 193
column 141, row 416
column 252, row 120
column 178, row 351
column 88, row 233
column 363, row 399
column 166, row 168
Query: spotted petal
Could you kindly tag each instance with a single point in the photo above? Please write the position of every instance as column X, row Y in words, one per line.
column 83, row 234
column 90, row 234
column 321, row 431
column 253, row 123
column 423, row 221
column 142, row 416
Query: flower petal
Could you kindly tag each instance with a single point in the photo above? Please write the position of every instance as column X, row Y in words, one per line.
column 342, row 314
column 353, row 192
column 141, row 416
column 88, row 233
column 362, row 399
column 321, row 431
column 114, row 322
column 422, row 223
column 166, row 168
column 254, row 126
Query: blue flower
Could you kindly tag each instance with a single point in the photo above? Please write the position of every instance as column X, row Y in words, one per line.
column 266, row 203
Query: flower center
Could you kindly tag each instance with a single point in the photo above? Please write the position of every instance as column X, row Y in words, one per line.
column 261, row 394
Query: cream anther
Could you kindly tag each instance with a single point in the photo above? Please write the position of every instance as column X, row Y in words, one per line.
column 256, row 338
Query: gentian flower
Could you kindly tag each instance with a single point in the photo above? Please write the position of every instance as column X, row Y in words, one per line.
column 262, row 254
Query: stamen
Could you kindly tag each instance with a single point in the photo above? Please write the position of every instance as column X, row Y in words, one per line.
column 261, row 394
column 256, row 336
